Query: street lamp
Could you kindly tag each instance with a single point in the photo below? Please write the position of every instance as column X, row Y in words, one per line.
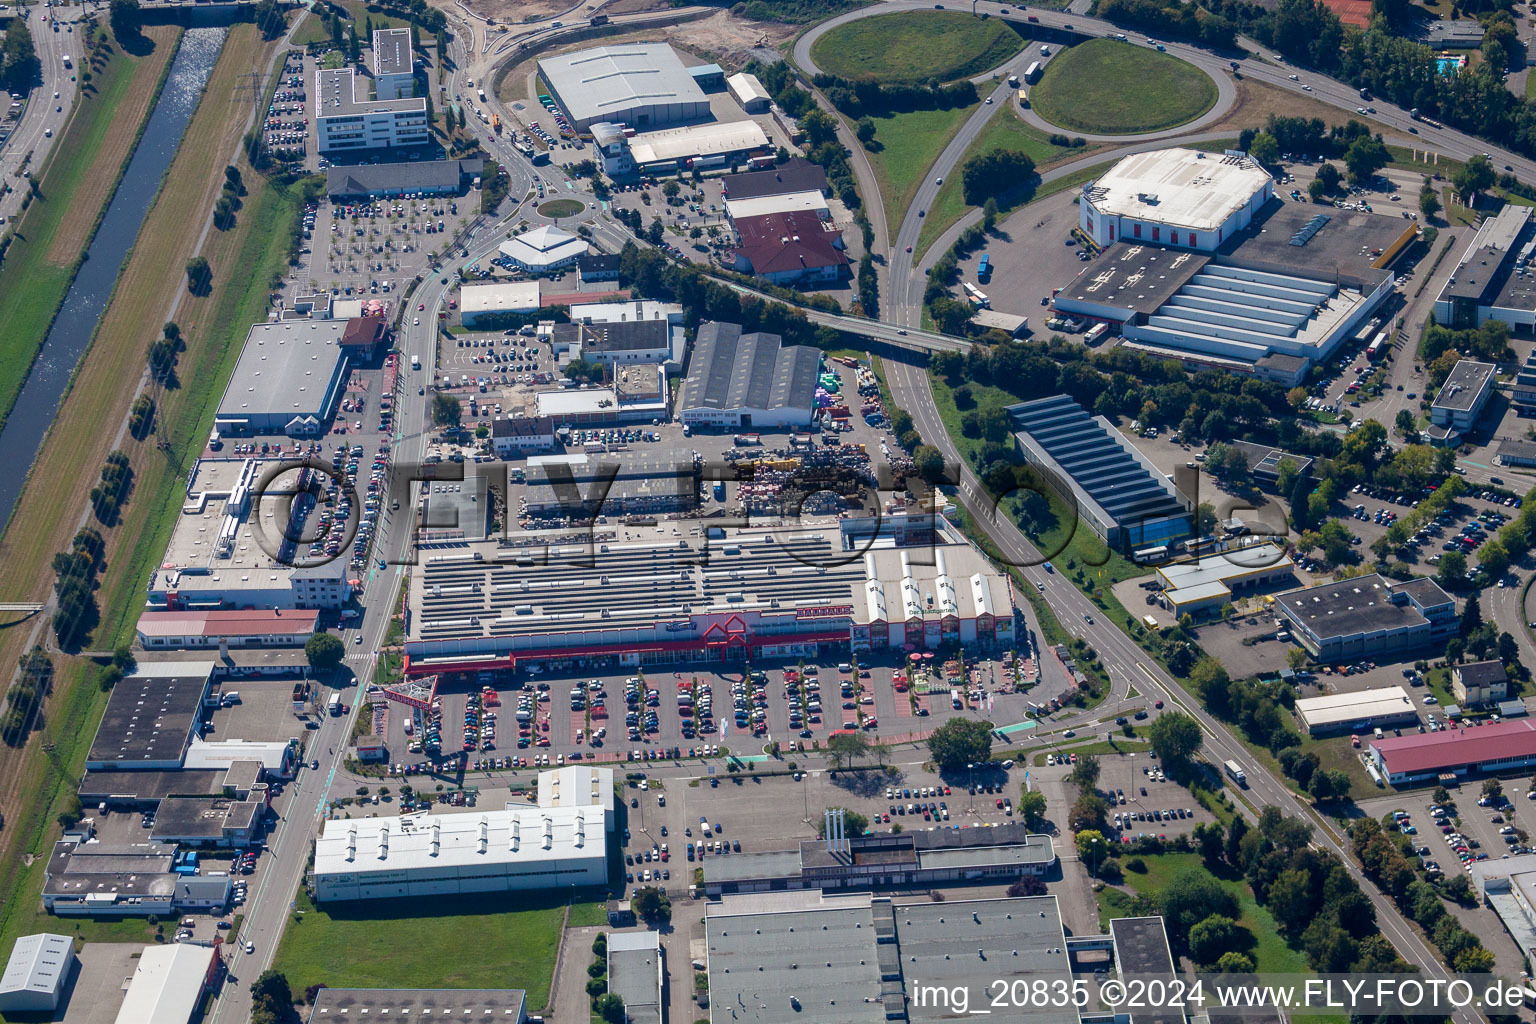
column 970, row 784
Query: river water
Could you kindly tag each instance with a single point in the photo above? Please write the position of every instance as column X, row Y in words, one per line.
column 38, row 402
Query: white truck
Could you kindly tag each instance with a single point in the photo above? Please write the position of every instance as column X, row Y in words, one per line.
column 1235, row 773
column 415, row 362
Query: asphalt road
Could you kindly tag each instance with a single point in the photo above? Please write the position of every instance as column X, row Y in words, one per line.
column 41, row 113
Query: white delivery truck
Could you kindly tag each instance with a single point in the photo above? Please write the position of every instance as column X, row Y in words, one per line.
column 415, row 362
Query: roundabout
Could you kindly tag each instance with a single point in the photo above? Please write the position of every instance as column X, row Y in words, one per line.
column 557, row 209
column 1104, row 88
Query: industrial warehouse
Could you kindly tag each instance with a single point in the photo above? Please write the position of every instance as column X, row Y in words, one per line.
column 560, row 842
column 1493, row 279
column 1456, row 751
column 659, row 599
column 1115, row 491
column 907, row 859
column 1210, row 582
column 1211, row 269
column 643, row 85
column 287, row 380
column 1359, row 711
column 747, row 380
column 1369, row 616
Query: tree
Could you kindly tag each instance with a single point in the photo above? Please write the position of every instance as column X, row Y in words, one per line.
column 324, row 651
column 1365, row 156
column 656, row 232
column 1471, row 614
column 865, row 130
column 271, row 998
column 1209, row 838
column 1429, row 203
column 1212, row 937
column 989, row 213
column 1233, row 962
column 1330, row 176
column 929, row 462
column 1086, row 772
column 845, row 748
column 1090, row 811
column 198, row 274
column 1175, row 737
column 610, row 1007
column 994, row 172
column 652, row 905
column 1476, row 175
column 445, row 410
column 1264, row 149
column 1191, row 897
column 1453, row 568
column 1027, row 885
column 959, row 742
column 124, row 18
column 1316, row 190
column 1407, row 424
column 1032, row 809
column 819, row 127
column 19, row 66
column 1091, row 849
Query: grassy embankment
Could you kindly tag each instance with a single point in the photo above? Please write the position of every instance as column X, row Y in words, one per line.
column 916, row 46
column 81, row 174
column 1106, row 87
column 41, row 778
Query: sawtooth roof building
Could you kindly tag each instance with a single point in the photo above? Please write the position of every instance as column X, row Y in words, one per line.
column 758, row 593
column 748, row 380
column 1120, row 495
column 642, row 85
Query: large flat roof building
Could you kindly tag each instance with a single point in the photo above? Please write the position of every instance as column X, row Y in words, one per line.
column 36, row 973
column 636, row 974
column 1120, row 495
column 748, row 380
column 658, row 598
column 1494, row 279
column 1367, row 616
column 1457, row 750
column 545, row 848
column 794, row 175
column 227, row 549
column 712, row 144
column 1178, row 196
column 432, row 177
column 1275, row 297
column 287, row 380
column 477, row 302
column 780, row 958
column 151, row 717
column 347, row 121
column 1357, row 711
column 641, row 85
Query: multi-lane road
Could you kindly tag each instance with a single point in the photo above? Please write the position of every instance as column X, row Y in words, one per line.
column 42, row 120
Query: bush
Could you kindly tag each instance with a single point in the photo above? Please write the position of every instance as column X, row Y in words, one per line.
column 1137, row 865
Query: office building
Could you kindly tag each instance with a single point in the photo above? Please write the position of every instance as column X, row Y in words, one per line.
column 641, row 85
column 1493, row 279
column 748, row 380
column 752, row 593
column 479, row 304
column 347, row 121
column 616, row 343
column 416, row 855
column 543, row 250
column 598, row 266
column 1455, row 752
column 394, row 68
column 287, row 380
column 1480, row 683
column 516, row 436
column 229, row 551
column 1264, row 461
column 1178, row 196
column 1369, row 617
column 1115, row 491
column 37, row 973
column 1460, row 401
column 1356, row 712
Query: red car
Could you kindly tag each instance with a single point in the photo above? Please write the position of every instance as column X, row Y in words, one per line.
column 420, row 306
column 1158, row 704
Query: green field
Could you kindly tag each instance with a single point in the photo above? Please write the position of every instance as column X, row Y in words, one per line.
column 908, row 144
column 1004, row 131
column 916, row 46
column 1107, row 87
column 482, row 941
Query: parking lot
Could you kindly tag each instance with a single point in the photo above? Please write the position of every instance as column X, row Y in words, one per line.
column 503, row 368
column 376, row 248
column 287, row 129
column 1037, row 262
